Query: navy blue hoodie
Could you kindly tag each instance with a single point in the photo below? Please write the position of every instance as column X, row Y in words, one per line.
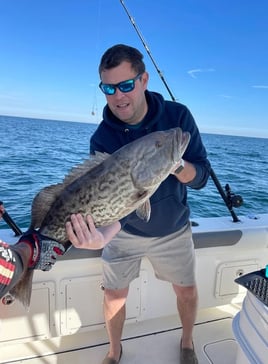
column 170, row 211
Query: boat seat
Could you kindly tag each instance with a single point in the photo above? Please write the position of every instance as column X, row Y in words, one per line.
column 216, row 238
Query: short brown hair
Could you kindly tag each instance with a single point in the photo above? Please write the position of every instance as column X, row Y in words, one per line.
column 119, row 53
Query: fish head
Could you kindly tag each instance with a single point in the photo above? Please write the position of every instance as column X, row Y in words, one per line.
column 156, row 155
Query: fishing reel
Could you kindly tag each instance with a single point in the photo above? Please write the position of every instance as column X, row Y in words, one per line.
column 233, row 200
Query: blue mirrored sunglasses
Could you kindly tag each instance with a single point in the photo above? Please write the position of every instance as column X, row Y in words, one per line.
column 124, row 86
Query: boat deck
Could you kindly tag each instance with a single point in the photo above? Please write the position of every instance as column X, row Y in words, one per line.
column 213, row 338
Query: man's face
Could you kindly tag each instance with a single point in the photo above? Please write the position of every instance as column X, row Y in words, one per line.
column 129, row 107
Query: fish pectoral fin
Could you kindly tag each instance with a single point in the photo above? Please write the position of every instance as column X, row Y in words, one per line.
column 144, row 211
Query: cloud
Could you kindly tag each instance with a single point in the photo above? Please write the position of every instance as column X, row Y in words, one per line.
column 193, row 73
column 226, row 96
column 260, row 86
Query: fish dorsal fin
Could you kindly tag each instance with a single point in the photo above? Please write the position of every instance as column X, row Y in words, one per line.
column 84, row 167
column 144, row 211
column 46, row 197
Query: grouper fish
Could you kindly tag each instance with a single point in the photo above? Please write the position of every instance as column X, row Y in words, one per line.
column 108, row 187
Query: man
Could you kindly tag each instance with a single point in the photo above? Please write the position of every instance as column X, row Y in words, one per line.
column 32, row 251
column 131, row 112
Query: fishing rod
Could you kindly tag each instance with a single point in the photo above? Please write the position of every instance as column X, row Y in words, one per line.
column 148, row 51
column 11, row 223
column 231, row 200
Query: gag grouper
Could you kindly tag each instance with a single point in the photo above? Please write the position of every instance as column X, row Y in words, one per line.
column 108, row 187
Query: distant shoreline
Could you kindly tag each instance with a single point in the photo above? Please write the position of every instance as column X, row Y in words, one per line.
column 212, row 132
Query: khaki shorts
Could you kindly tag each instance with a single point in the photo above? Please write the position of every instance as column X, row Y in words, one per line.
column 172, row 258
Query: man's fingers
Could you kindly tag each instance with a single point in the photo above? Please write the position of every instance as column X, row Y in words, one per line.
column 71, row 234
column 91, row 224
column 83, row 233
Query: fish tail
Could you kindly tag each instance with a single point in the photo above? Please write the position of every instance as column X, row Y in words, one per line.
column 23, row 289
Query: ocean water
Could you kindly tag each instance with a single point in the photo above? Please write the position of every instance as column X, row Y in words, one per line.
column 36, row 153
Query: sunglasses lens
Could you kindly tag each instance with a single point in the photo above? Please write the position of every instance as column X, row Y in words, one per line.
column 126, row 86
column 107, row 89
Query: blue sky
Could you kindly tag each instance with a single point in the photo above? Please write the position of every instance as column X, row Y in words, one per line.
column 212, row 54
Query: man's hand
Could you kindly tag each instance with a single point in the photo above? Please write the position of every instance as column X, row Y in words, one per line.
column 45, row 251
column 84, row 235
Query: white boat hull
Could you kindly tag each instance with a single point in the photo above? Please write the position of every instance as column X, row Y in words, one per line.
column 65, row 320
